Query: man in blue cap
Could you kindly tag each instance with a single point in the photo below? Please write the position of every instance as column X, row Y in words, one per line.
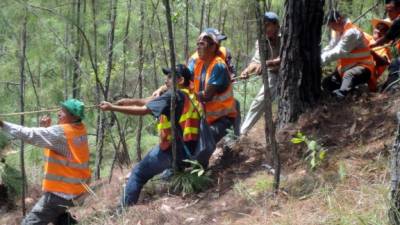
column 66, row 167
column 256, row 110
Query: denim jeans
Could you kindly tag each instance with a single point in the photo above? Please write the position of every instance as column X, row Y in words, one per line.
column 220, row 127
column 155, row 162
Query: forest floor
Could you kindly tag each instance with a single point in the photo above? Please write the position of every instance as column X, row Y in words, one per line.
column 350, row 187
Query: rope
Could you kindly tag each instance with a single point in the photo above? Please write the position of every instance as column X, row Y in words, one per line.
column 385, row 46
column 365, row 13
column 39, row 111
column 239, row 80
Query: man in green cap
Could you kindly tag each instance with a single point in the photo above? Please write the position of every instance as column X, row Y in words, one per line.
column 66, row 167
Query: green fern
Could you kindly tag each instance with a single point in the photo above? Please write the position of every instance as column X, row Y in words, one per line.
column 193, row 179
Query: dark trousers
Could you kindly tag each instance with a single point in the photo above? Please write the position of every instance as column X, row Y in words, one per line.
column 220, row 127
column 49, row 209
column 351, row 78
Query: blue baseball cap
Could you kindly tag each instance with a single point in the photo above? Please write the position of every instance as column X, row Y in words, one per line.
column 270, row 17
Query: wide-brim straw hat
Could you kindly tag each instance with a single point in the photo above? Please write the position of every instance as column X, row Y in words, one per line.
column 376, row 21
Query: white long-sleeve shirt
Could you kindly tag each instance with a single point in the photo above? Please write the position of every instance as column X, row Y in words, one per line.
column 52, row 137
column 341, row 46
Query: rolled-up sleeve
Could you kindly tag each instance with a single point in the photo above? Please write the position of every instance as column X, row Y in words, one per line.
column 52, row 137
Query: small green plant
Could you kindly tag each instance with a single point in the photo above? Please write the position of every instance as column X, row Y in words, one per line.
column 315, row 153
column 3, row 141
column 193, row 179
column 11, row 178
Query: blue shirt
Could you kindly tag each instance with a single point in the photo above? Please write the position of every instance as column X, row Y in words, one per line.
column 219, row 76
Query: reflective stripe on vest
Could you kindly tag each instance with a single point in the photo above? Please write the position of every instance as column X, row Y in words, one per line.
column 222, row 104
column 67, row 163
column 68, row 174
column 189, row 122
column 65, row 179
column 358, row 57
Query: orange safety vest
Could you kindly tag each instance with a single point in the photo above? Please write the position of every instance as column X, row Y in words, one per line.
column 222, row 53
column 383, row 52
column 68, row 174
column 189, row 121
column 221, row 104
column 359, row 56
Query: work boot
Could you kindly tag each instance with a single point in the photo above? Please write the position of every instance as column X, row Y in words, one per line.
column 66, row 219
column 339, row 95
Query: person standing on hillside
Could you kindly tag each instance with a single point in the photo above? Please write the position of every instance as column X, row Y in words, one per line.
column 66, row 167
column 187, row 119
column 271, row 23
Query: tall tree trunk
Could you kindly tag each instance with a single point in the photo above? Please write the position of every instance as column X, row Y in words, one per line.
column 269, row 123
column 394, row 207
column 67, row 61
column 208, row 16
column 155, row 6
column 77, row 71
column 140, row 81
column 154, row 58
column 300, row 58
column 186, row 45
column 22, row 102
column 113, row 15
column 203, row 6
column 125, row 46
column 173, row 96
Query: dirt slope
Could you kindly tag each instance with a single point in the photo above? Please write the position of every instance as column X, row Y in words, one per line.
column 358, row 134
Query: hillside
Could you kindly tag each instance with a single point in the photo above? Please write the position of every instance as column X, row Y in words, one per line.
column 351, row 187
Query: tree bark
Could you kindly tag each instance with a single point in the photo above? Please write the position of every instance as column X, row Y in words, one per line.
column 394, row 207
column 173, row 96
column 78, row 50
column 140, row 81
column 22, row 102
column 203, row 6
column 113, row 15
column 125, row 46
column 155, row 6
column 186, row 46
column 269, row 123
column 300, row 58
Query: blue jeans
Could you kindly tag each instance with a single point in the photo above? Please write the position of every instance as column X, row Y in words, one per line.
column 155, row 162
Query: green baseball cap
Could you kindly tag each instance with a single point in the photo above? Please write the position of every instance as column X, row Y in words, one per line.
column 75, row 107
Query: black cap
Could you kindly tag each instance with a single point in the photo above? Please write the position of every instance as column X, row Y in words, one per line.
column 332, row 16
column 181, row 71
